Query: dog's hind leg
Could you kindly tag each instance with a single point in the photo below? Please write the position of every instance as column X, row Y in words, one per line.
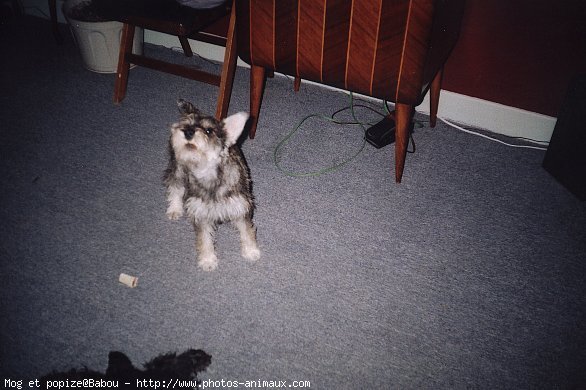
column 204, row 233
column 247, row 231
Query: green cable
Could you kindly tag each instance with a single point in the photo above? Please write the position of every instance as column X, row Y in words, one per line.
column 329, row 169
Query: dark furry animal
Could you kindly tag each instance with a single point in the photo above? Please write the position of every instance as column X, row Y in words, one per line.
column 162, row 371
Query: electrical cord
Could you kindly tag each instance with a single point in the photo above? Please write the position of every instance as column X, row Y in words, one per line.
column 332, row 119
column 417, row 123
column 498, row 140
column 205, row 59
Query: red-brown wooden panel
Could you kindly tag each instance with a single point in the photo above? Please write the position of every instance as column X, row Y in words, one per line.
column 336, row 41
column 286, row 37
column 390, row 47
column 363, row 44
column 443, row 36
column 243, row 36
column 382, row 48
column 310, row 37
column 262, row 34
column 415, row 49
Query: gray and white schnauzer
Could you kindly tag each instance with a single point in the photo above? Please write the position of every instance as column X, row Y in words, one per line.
column 208, row 179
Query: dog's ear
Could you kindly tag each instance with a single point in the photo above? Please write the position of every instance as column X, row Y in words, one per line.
column 233, row 125
column 186, row 108
column 119, row 365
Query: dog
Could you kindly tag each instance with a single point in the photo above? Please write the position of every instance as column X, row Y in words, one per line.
column 207, row 178
column 162, row 371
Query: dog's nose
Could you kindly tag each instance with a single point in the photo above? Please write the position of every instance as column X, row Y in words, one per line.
column 189, row 133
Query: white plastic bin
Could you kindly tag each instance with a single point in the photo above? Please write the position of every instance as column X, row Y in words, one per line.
column 99, row 42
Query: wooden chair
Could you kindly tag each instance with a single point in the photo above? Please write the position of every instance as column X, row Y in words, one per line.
column 168, row 16
column 389, row 49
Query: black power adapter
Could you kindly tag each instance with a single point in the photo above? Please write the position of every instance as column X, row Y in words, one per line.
column 383, row 133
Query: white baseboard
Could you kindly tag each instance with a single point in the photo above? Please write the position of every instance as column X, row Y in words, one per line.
column 462, row 109
column 495, row 117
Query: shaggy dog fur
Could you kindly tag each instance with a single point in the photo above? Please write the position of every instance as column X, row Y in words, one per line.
column 208, row 179
column 164, row 370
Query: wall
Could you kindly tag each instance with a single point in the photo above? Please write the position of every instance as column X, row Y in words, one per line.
column 519, row 53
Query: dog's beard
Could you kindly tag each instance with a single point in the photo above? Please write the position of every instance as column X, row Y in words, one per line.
column 202, row 160
column 197, row 151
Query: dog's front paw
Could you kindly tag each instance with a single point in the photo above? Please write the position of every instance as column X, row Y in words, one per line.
column 208, row 263
column 251, row 252
column 174, row 213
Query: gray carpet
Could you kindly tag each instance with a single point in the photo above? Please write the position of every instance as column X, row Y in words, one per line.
column 469, row 274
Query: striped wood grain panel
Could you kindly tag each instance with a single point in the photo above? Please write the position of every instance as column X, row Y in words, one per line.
column 310, row 38
column 382, row 48
column 262, row 45
column 389, row 49
column 336, row 41
column 364, row 24
column 415, row 48
column 286, row 36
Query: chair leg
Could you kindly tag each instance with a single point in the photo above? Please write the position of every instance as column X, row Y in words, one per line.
column 434, row 94
column 297, row 83
column 123, row 64
column 403, row 117
column 185, row 46
column 257, row 84
column 228, row 68
column 54, row 23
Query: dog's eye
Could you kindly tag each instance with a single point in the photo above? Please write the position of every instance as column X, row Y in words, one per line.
column 208, row 130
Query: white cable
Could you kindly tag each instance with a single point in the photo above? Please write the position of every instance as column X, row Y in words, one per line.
column 491, row 138
column 180, row 50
